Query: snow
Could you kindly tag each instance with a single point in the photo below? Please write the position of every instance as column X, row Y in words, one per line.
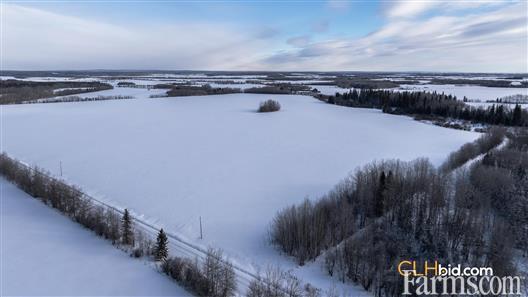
column 173, row 160
column 44, row 253
column 329, row 89
column 471, row 92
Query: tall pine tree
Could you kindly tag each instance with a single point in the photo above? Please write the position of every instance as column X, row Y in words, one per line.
column 126, row 229
column 161, row 250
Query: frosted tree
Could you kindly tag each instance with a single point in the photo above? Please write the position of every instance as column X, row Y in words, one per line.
column 161, row 250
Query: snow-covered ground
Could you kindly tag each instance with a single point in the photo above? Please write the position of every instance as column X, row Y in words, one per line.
column 471, row 92
column 329, row 89
column 173, row 160
column 44, row 253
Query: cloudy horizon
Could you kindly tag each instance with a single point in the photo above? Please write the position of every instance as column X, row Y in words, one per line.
column 442, row 36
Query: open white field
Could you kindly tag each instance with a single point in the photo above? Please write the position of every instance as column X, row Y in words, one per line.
column 173, row 160
column 45, row 254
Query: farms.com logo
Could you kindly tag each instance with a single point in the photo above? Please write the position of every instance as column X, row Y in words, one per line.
column 433, row 278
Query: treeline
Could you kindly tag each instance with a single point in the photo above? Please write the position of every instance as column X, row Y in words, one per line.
column 214, row 278
column 504, row 83
column 471, row 150
column 278, row 88
column 429, row 104
column 188, row 90
column 17, row 91
column 79, row 99
column 391, row 211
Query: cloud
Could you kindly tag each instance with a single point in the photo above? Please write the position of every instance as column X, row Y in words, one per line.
column 448, row 37
column 412, row 8
column 489, row 41
column 38, row 39
column 299, row 41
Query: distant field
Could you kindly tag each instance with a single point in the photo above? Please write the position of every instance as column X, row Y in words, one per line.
column 176, row 159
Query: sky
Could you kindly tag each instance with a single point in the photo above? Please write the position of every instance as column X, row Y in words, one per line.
column 255, row 35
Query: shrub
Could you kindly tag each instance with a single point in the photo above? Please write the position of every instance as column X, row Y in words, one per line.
column 269, row 106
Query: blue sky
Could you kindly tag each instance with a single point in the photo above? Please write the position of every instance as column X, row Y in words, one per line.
column 469, row 36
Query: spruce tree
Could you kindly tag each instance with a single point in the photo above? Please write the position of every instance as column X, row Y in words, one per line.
column 161, row 249
column 127, row 234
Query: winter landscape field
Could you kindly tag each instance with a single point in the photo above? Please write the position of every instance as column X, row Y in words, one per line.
column 263, row 148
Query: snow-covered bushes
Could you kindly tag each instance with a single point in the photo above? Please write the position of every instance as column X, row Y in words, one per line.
column 215, row 278
column 279, row 283
column 269, row 106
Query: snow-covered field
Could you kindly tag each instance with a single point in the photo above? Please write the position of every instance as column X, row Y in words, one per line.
column 329, row 89
column 173, row 160
column 471, row 92
column 44, row 253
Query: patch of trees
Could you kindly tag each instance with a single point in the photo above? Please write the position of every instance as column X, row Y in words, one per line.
column 18, row 91
column 429, row 104
column 215, row 277
column 366, row 83
column 187, row 90
column 269, row 106
column 471, row 150
column 281, row 88
column 126, row 84
column 390, row 211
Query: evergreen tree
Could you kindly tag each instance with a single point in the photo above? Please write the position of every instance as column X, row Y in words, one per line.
column 161, row 250
column 127, row 234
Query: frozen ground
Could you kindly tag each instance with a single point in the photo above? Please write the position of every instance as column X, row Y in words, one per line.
column 330, row 90
column 173, row 160
column 44, row 253
column 471, row 92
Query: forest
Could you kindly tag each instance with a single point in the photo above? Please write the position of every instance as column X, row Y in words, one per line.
column 473, row 213
column 19, row 91
column 430, row 104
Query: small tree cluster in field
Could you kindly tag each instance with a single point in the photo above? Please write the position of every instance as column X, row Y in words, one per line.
column 214, row 278
column 269, row 106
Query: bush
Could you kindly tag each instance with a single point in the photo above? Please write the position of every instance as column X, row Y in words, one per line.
column 269, row 106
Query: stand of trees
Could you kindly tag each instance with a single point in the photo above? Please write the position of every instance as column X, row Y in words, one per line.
column 391, row 211
column 187, row 90
column 18, row 91
column 214, row 278
column 429, row 104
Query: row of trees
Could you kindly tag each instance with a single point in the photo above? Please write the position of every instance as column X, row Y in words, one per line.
column 215, row 278
column 430, row 104
column 391, row 211
column 18, row 91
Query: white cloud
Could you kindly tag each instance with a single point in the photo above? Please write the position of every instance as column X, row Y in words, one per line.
column 491, row 41
column 37, row 39
column 488, row 40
